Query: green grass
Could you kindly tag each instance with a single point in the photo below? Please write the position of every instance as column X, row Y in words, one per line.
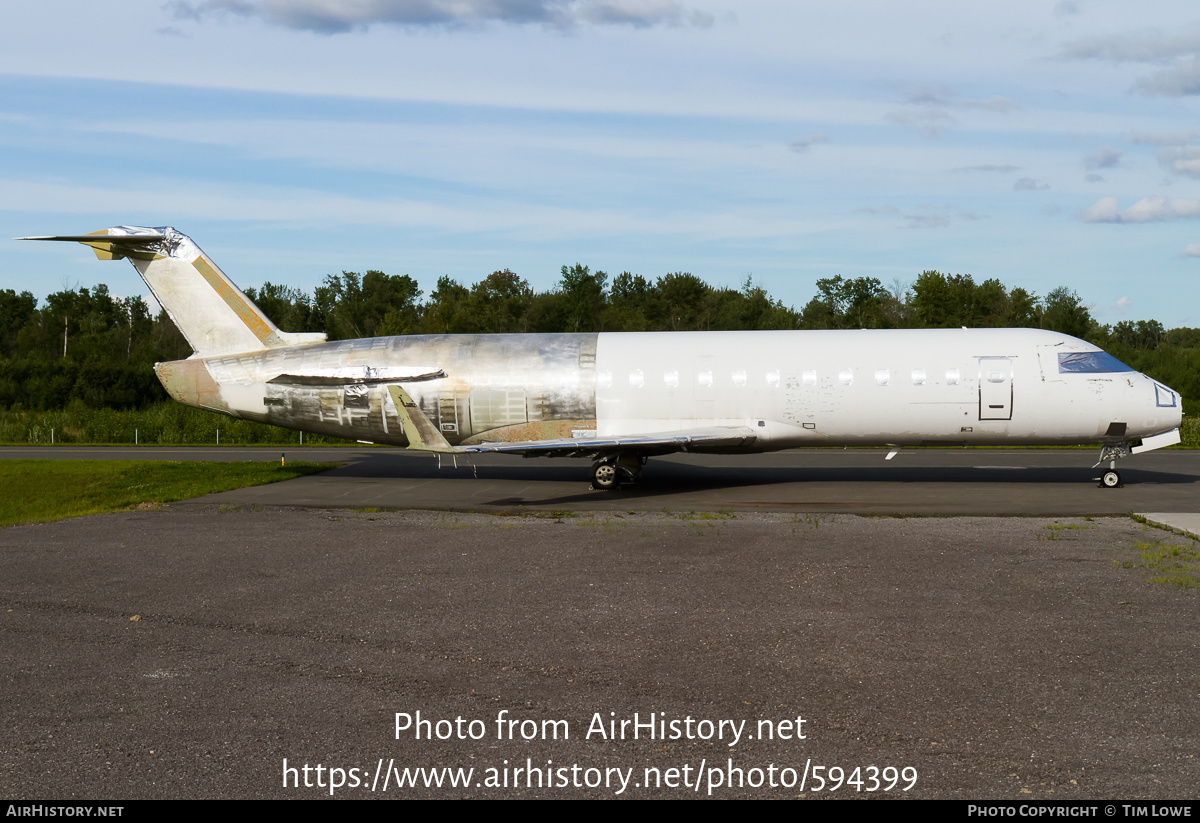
column 1172, row 563
column 40, row 491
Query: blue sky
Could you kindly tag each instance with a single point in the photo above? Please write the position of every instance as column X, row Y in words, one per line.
column 1041, row 143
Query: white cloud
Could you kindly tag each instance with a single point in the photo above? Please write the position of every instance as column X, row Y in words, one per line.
column 1147, row 210
column 803, row 144
column 1177, row 81
column 1144, row 47
column 1161, row 138
column 988, row 167
column 924, row 216
column 1103, row 210
column 1122, row 303
column 994, row 103
column 1177, row 150
column 1029, row 184
column 1191, row 250
column 1179, row 53
column 1106, row 157
column 1183, row 160
column 930, row 120
column 932, row 106
column 336, row 16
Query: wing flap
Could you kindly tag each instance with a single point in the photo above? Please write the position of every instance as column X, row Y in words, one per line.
column 715, row 437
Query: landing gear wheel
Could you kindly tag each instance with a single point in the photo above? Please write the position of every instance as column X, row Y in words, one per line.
column 605, row 477
column 1110, row 479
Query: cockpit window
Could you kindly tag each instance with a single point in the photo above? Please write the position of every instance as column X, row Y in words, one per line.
column 1089, row 362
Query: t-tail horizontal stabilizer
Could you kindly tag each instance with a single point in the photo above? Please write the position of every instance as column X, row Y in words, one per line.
column 213, row 314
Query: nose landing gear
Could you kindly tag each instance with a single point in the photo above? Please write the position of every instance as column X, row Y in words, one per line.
column 1111, row 479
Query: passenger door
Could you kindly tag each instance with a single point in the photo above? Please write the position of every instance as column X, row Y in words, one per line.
column 995, row 388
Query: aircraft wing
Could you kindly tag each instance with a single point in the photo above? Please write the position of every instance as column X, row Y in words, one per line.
column 704, row 439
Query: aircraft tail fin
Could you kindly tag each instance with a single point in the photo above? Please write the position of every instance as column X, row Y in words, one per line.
column 211, row 312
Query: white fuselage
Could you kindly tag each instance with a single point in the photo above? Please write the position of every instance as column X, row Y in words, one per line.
column 897, row 387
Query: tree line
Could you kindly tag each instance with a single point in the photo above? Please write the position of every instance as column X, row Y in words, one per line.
column 85, row 346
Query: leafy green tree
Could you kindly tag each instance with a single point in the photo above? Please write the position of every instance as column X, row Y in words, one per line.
column 582, row 298
column 628, row 303
column 680, row 303
column 1022, row 309
column 448, row 309
column 16, row 311
column 1062, row 311
column 370, row 305
column 841, row 303
column 290, row 309
column 500, row 303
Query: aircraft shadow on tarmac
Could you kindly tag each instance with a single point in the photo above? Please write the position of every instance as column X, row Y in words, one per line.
column 668, row 478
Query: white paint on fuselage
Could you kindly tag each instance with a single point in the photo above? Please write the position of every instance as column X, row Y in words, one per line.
column 897, row 387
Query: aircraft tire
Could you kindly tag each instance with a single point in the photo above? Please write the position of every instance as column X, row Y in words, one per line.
column 605, row 477
column 1111, row 479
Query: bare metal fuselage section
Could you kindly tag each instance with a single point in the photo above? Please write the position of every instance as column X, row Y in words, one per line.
column 505, row 387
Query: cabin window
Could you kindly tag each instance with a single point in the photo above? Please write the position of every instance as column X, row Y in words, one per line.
column 603, row 379
column 881, row 377
column 918, row 377
column 739, row 377
column 995, row 377
column 846, row 376
column 810, row 377
column 704, row 378
column 671, row 379
column 951, row 377
column 1089, row 362
column 637, row 379
column 773, row 378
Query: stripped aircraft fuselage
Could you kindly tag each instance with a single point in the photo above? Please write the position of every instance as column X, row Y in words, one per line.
column 618, row 398
column 905, row 388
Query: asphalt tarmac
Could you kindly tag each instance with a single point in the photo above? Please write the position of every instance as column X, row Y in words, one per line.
column 190, row 651
column 992, row 482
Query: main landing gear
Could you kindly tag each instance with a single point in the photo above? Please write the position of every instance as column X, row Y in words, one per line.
column 608, row 473
column 1111, row 479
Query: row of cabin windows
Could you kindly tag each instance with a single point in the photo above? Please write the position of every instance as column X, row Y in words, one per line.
column 706, row 378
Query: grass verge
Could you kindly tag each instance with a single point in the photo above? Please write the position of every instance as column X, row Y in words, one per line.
column 40, row 491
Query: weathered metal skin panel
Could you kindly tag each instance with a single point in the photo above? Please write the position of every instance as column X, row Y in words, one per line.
column 189, row 382
column 496, row 387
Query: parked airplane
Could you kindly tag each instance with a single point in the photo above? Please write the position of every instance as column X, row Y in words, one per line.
column 621, row 398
